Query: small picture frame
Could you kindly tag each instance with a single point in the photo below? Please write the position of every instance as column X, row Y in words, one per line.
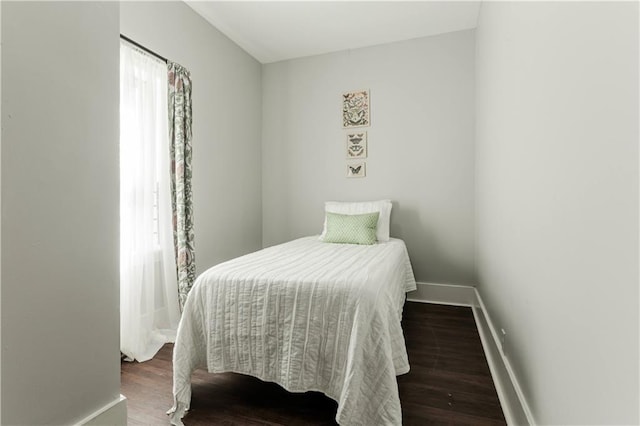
column 355, row 109
column 357, row 145
column 357, row 170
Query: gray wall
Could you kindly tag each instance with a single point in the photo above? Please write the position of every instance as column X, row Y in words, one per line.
column 226, row 124
column 557, row 202
column 421, row 152
column 60, row 359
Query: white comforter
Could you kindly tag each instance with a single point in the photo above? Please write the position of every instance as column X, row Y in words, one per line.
column 307, row 315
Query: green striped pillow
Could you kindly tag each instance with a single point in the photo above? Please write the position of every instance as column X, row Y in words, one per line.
column 351, row 229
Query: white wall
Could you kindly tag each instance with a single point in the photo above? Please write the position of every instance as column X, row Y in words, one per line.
column 60, row 359
column 226, row 124
column 0, row 209
column 557, row 202
column 421, row 151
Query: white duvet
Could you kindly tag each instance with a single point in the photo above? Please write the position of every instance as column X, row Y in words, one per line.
column 307, row 315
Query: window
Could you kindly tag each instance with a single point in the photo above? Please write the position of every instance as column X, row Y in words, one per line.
column 148, row 287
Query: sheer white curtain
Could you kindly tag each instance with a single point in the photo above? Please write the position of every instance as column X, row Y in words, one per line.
column 149, row 311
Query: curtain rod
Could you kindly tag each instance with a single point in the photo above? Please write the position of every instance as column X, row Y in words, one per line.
column 139, row 46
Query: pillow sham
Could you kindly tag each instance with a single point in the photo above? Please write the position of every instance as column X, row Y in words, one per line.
column 383, row 207
column 351, row 229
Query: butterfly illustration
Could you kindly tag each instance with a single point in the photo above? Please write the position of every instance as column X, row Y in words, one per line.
column 355, row 109
column 355, row 150
column 355, row 170
column 356, row 139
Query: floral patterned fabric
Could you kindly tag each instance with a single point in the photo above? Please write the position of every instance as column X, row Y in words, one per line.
column 181, row 196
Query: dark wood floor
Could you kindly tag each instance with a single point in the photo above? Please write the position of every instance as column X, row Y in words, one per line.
column 449, row 383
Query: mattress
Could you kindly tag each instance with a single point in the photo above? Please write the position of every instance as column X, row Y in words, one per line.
column 308, row 315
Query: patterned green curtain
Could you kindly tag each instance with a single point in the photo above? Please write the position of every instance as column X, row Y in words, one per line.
column 181, row 196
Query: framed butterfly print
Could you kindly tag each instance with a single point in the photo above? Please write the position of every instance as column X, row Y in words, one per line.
column 357, row 145
column 355, row 109
column 356, row 169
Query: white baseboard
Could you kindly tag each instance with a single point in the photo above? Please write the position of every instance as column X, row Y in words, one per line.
column 112, row 414
column 444, row 294
column 514, row 404
column 515, row 407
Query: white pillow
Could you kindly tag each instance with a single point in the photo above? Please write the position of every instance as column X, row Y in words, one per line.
column 382, row 206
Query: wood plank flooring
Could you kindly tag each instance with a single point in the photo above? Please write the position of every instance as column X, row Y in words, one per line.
column 449, row 383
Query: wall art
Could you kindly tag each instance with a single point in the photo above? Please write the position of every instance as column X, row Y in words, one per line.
column 357, row 145
column 355, row 109
column 357, row 169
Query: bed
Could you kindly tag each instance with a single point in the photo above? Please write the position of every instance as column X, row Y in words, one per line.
column 308, row 315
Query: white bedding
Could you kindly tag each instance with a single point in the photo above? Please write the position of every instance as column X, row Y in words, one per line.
column 307, row 315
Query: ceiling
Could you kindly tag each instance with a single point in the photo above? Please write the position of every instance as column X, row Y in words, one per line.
column 273, row 31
